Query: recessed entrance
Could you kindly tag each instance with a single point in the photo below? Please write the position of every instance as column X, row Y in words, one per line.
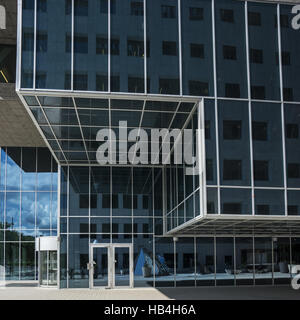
column 111, row 266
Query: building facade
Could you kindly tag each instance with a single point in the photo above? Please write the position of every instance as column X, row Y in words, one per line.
column 227, row 70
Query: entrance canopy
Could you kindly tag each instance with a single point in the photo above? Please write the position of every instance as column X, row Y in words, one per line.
column 69, row 122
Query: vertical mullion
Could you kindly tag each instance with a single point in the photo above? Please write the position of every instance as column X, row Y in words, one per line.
column 282, row 110
column 180, row 46
column 234, row 260
column 5, row 198
column 58, row 223
column 109, row 46
column 195, row 261
column 34, row 45
column 68, row 222
column 215, row 259
column 216, row 104
column 272, row 248
column 35, row 203
column 20, row 216
column 175, row 264
column 249, row 108
column 253, row 244
column 145, row 48
column 72, row 46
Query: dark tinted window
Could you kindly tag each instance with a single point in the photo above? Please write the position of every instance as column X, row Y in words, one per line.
column 261, row 170
column 254, row 19
column 258, row 92
column 169, row 48
column 260, row 131
column 227, row 15
column 232, row 208
column 196, row 13
column 232, row 90
column 168, row 11
column 229, row 52
column 232, row 129
column 256, row 56
column 197, row 50
column 137, row 8
column 292, row 131
column 293, row 170
column 232, row 170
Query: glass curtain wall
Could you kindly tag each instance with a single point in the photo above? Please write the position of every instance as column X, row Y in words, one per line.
column 28, row 207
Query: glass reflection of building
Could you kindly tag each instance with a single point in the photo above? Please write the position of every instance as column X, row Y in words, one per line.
column 150, row 63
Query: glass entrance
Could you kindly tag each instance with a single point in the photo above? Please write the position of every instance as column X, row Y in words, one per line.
column 111, row 265
column 48, row 268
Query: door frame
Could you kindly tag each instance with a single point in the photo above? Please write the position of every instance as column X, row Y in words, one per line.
column 110, row 264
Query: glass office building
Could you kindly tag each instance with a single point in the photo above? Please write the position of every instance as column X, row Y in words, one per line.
column 227, row 70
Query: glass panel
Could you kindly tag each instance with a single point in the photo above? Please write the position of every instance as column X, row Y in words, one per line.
column 28, row 261
column 13, row 168
column 234, row 143
column 205, row 262
column 78, row 259
column 282, row 259
column 28, row 210
column 143, row 261
column 13, row 210
column 44, row 268
column 263, row 51
column 27, row 45
column 2, row 168
column 43, row 206
column 121, row 186
column 236, row 201
column 263, row 261
column 267, row 145
column 293, row 198
column 294, row 267
column 163, row 47
column 197, row 48
column 185, row 266
column 289, row 55
column 79, row 191
column 292, row 145
column 44, row 170
column 225, row 262
column 12, row 261
column 164, row 262
column 52, row 269
column 122, row 267
column 244, row 261
column 28, row 171
column 231, row 49
column 53, row 43
column 63, row 261
column 127, row 52
column 100, row 260
column 269, row 202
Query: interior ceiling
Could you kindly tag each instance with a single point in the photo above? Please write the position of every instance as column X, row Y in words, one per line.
column 220, row 225
column 70, row 123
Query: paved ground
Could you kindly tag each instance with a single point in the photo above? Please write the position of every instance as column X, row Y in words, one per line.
column 29, row 291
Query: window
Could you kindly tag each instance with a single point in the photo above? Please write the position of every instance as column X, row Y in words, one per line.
column 115, row 83
column 28, row 5
column 169, row 48
column 101, row 45
column 260, row 131
column 285, row 58
column 127, row 201
column 232, row 208
column 262, row 209
column 80, row 81
column 115, row 201
column 104, row 6
column 227, row 15
column 105, row 228
column 232, row 129
column 81, row 7
column 198, row 88
column 207, row 129
column 284, row 21
column 168, row 12
column 137, row 8
column 81, row 44
column 292, row 210
column 135, row 84
column 115, row 230
column 83, row 201
column 209, row 170
column 261, row 170
column 145, row 202
column 42, row 5
column 293, row 170
column 254, row 18
column 168, row 86
column 232, row 170
column 256, row 56
column 41, row 42
column 197, row 50
column 210, row 207
column 196, row 13
column 258, row 92
column 145, row 230
column 229, row 52
column 288, row 94
column 135, row 48
column 27, row 41
column 83, row 228
column 292, row 131
column 232, row 90
column 105, row 201
column 127, row 230
column 41, row 78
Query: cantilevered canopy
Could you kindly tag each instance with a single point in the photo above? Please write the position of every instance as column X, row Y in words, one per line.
column 69, row 123
column 239, row 225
